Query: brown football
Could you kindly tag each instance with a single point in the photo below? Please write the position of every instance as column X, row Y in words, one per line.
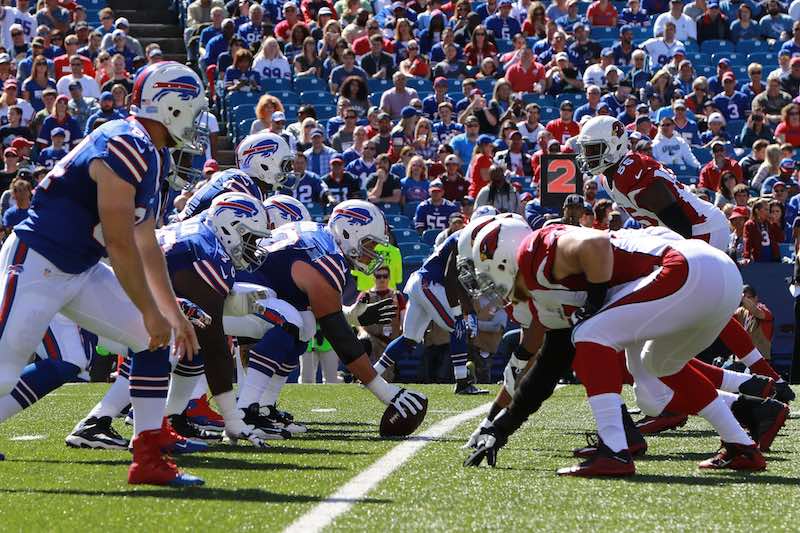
column 393, row 424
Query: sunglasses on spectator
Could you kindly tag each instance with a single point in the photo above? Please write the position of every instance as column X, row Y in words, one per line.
column 351, row 116
column 16, row 33
column 381, row 276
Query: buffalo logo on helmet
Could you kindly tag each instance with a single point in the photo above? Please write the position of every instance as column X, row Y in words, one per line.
column 242, row 208
column 489, row 243
column 185, row 86
column 355, row 215
column 266, row 148
column 288, row 211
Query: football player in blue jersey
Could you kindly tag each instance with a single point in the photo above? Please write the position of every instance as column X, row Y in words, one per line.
column 309, row 269
column 435, row 294
column 101, row 199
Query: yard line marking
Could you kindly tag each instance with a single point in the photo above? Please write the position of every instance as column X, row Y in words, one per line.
column 28, row 437
column 325, row 512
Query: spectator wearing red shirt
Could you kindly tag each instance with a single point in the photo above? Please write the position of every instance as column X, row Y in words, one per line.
column 291, row 17
column 564, row 127
column 61, row 63
column 478, row 173
column 711, row 173
column 479, row 48
column 602, row 13
column 361, row 45
column 760, row 237
column 525, row 75
column 788, row 131
column 310, row 9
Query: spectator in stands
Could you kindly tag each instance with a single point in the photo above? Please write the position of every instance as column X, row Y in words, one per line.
column 713, row 24
column 732, row 104
column 36, row 83
column 379, row 336
column 563, row 77
column 424, row 140
column 564, row 127
column 744, row 28
column 793, row 44
column 250, row 32
column 197, row 13
column 270, row 63
column 415, row 64
column 9, row 98
column 685, row 26
column 119, row 75
column 80, row 107
column 307, row 62
column 240, row 76
column 131, row 45
column 514, row 158
column 92, row 47
column 671, row 149
column 716, row 130
column 218, row 44
column 775, row 25
column 480, row 163
column 737, row 217
column 346, row 69
column 531, row 127
column 60, row 118
column 633, row 16
column 724, row 195
column 757, row 319
column 339, row 184
column 291, row 16
column 498, row 192
column 772, row 100
column 21, row 194
column 788, row 131
column 265, row 107
column 753, row 160
column 761, row 239
column 13, row 129
column 435, row 212
column 106, row 17
column 771, row 166
column 455, row 186
column 10, row 167
column 319, row 156
column 62, row 64
column 755, row 129
column 479, row 47
column 711, row 173
column 49, row 156
column 309, row 187
column 89, row 85
column 502, row 24
column 378, row 64
column 52, row 15
column 383, row 186
column 398, row 97
column 660, row 49
column 583, row 49
column 590, row 107
column 212, row 30
column 106, row 112
column 602, row 13
column 684, row 126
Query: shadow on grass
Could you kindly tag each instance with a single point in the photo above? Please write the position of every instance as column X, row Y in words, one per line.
column 717, row 479
column 198, row 493
column 197, row 460
column 283, row 450
column 345, row 424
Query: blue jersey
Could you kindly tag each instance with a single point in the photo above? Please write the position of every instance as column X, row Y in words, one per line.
column 733, row 107
column 310, row 243
column 429, row 216
column 231, row 180
column 250, row 33
column 192, row 245
column 433, row 267
column 50, row 156
column 63, row 223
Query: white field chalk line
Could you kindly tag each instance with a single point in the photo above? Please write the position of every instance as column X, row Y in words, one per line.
column 324, row 513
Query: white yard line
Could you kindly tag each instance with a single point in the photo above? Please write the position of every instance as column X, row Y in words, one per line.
column 324, row 513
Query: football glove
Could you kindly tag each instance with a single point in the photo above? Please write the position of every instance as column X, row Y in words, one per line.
column 376, row 313
column 513, row 372
column 488, row 443
column 244, row 299
column 472, row 442
column 407, row 402
column 198, row 317
column 472, row 325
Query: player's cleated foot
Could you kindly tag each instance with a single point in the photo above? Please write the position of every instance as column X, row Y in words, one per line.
column 2, row 457
column 172, row 443
column 783, row 392
column 184, row 427
column 263, row 426
column 604, row 463
column 152, row 467
column 463, row 386
column 203, row 416
column 762, row 418
column 652, row 425
column 758, row 386
column 593, row 441
column 97, row 433
column 736, row 457
column 282, row 419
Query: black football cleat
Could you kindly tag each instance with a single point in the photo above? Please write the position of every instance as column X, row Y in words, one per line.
column 604, row 463
column 637, row 445
column 97, row 433
column 184, row 427
column 266, row 429
column 463, row 386
column 784, row 392
column 282, row 419
column 762, row 418
column 758, row 386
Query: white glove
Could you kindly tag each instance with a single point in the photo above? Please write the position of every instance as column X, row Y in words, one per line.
column 472, row 442
column 244, row 299
column 408, row 402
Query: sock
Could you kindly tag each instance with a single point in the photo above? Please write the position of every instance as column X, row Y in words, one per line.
column 399, row 347
column 226, row 403
column 37, row 380
column 149, row 383
column 115, row 400
column 719, row 415
column 180, row 392
column 459, row 362
column 240, row 370
column 727, row 397
column 458, row 353
column 607, row 410
column 201, row 388
column 732, row 380
column 273, row 355
column 738, row 341
column 713, row 373
column 273, row 390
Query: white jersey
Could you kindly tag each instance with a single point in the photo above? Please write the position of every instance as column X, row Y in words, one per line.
column 7, row 18
column 27, row 112
column 272, row 68
column 674, row 151
column 659, row 51
column 685, row 27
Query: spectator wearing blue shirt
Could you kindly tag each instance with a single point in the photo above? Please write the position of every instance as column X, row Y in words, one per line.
column 502, row 24
column 209, row 32
column 365, row 165
column 567, row 22
column 431, row 103
column 590, row 107
column 733, row 104
column 219, row 44
column 623, row 49
column 792, row 46
column 250, row 32
column 105, row 113
column 18, row 211
column 464, row 143
column 319, row 155
column 616, row 100
column 60, row 119
column 346, row 69
column 434, row 213
column 445, row 129
column 414, row 187
column 685, row 125
column 715, row 81
column 634, row 15
column 744, row 27
column 309, row 187
column 240, row 76
column 49, row 156
column 774, row 25
column 715, row 131
column 36, row 83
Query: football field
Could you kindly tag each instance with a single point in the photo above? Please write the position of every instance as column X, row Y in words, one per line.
column 45, row 486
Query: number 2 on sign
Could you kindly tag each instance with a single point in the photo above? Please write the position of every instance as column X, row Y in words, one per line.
column 561, row 173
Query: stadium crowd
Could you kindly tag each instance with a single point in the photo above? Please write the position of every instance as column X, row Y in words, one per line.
column 432, row 109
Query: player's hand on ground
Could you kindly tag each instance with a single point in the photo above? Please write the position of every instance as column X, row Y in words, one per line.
column 158, row 328
column 185, row 343
column 381, row 312
column 408, row 402
column 198, row 317
column 487, row 444
column 472, row 442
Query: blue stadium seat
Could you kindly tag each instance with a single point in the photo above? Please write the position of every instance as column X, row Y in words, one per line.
column 716, row 45
column 740, row 71
column 766, row 59
column 503, row 45
column 641, row 34
column 325, row 112
column 541, row 99
column 290, row 110
column 698, row 58
column 399, row 222
column 486, row 85
column 548, row 113
column 410, row 209
column 600, row 32
column 390, row 208
column 583, row 7
column 687, row 180
column 751, row 46
column 455, row 94
column 276, row 84
column 317, row 97
column 702, row 154
column 378, row 86
column 420, row 84
column 577, row 99
column 680, row 170
column 607, row 43
column 242, row 129
column 309, row 83
column 415, row 249
column 286, row 97
column 405, row 236
column 734, row 57
column 241, row 112
column 705, row 70
column 411, row 264
column 429, row 236
column 315, row 210
column 786, row 249
column 691, row 47
column 236, row 98
column 734, row 127
column 375, row 98
column 454, row 84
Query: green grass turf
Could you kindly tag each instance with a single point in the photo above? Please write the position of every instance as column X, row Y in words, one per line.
column 45, row 486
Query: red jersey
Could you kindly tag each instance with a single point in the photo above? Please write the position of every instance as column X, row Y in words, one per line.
column 636, row 254
column 522, row 80
column 561, row 130
column 637, row 172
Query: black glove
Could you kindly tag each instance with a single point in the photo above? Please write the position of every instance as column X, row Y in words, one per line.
column 489, row 442
column 381, row 312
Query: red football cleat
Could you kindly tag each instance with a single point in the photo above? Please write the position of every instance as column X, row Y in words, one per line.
column 736, row 457
column 604, row 463
column 172, row 442
column 152, row 467
column 652, row 425
column 201, row 414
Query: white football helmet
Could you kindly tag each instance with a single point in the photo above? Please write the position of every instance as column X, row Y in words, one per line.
column 483, row 211
column 283, row 209
column 171, row 94
column 267, row 157
column 602, row 142
column 466, row 238
column 495, row 256
column 239, row 222
column 357, row 226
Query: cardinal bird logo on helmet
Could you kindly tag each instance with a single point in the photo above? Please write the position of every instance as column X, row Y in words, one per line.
column 489, row 243
column 617, row 129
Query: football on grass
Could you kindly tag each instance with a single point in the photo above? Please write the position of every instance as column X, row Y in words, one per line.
column 393, row 424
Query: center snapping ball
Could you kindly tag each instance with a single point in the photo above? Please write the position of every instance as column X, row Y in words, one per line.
column 393, row 424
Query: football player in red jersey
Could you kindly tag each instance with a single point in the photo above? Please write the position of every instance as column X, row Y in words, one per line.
column 627, row 277
column 652, row 195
